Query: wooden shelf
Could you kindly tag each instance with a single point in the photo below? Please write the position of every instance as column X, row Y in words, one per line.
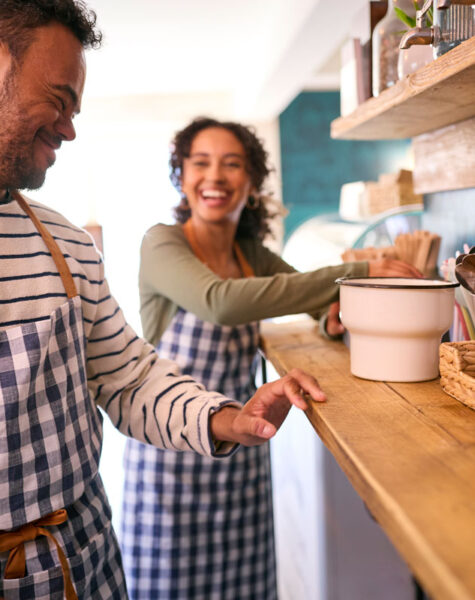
column 437, row 95
column 407, row 448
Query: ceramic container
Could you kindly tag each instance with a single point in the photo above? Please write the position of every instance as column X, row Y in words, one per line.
column 395, row 325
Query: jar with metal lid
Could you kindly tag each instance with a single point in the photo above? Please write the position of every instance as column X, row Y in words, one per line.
column 385, row 41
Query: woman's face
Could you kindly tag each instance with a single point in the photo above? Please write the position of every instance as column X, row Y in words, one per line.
column 215, row 180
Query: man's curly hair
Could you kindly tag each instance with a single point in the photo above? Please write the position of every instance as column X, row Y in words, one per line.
column 20, row 18
column 253, row 222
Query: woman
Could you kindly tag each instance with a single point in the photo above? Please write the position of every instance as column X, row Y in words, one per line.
column 205, row 283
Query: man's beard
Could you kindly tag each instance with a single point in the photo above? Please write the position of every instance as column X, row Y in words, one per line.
column 17, row 168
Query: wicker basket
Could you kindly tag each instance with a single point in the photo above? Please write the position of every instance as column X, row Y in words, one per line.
column 457, row 370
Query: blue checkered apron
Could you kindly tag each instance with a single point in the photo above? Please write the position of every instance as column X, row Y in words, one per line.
column 50, row 444
column 197, row 528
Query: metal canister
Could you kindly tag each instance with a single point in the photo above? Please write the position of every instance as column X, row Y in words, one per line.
column 452, row 24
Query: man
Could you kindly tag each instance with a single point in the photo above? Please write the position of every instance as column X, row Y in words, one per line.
column 65, row 348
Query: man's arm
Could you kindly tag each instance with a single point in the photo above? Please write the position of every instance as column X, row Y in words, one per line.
column 261, row 417
column 147, row 397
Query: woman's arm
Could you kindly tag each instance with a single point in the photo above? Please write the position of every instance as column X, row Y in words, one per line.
column 170, row 269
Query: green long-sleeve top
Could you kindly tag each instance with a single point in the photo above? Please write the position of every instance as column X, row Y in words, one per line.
column 171, row 276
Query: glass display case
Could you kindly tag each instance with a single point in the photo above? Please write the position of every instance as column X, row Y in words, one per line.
column 384, row 230
column 321, row 240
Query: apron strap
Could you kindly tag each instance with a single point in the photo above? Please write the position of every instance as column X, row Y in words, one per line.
column 53, row 247
column 15, row 542
column 245, row 267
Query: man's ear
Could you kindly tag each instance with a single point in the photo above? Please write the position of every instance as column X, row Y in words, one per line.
column 5, row 62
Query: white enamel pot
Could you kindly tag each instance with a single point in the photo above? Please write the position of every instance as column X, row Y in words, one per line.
column 395, row 325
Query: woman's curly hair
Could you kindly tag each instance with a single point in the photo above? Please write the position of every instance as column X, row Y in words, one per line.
column 253, row 222
column 19, row 19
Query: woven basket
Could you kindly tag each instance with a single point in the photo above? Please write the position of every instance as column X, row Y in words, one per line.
column 457, row 370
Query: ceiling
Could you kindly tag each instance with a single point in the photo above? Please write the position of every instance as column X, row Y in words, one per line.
column 259, row 54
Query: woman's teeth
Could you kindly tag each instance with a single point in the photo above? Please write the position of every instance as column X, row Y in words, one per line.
column 213, row 194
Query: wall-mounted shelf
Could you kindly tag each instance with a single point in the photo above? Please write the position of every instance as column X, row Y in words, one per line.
column 437, row 95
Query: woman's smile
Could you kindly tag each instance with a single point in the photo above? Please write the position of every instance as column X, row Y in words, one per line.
column 214, row 197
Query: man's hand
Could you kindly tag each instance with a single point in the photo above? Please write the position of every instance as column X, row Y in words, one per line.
column 261, row 417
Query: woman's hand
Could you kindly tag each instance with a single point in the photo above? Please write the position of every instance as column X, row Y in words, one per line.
column 260, row 418
column 389, row 267
column 333, row 324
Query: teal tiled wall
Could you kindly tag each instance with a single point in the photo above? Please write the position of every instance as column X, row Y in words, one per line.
column 314, row 167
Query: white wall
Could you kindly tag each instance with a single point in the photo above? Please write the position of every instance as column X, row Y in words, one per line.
column 116, row 172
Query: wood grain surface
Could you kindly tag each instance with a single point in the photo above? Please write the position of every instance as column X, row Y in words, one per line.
column 445, row 159
column 408, row 449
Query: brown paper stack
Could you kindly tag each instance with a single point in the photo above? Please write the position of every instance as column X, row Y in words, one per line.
column 390, row 191
column 419, row 248
column 457, row 370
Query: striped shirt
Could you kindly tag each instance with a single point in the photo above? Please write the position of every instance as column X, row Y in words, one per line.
column 144, row 396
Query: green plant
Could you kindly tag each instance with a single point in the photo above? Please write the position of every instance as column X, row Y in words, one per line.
column 411, row 21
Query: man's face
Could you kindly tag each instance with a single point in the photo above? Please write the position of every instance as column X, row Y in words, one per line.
column 38, row 100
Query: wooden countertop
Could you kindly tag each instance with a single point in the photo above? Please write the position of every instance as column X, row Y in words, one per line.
column 407, row 448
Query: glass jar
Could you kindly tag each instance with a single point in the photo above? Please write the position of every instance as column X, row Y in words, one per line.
column 412, row 59
column 452, row 26
column 386, row 37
